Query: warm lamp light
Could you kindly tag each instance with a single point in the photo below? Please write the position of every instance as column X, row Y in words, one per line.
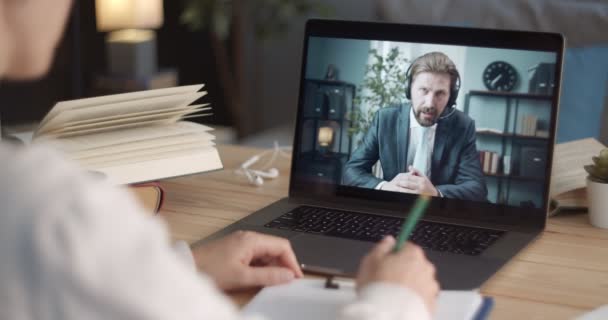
column 325, row 136
column 128, row 14
column 131, row 44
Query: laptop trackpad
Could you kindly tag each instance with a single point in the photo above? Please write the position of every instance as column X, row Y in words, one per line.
column 343, row 255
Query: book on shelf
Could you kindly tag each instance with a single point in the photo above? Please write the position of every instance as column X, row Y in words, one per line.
column 542, row 133
column 494, row 165
column 489, row 161
column 528, row 124
column 134, row 137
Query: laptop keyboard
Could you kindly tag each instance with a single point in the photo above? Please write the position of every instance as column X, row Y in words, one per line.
column 368, row 227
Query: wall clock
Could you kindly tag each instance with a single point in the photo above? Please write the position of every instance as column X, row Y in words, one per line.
column 500, row 76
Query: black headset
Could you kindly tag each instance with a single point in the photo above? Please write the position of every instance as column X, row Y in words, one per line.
column 454, row 87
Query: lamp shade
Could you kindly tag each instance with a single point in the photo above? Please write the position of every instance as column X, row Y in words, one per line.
column 325, row 136
column 126, row 14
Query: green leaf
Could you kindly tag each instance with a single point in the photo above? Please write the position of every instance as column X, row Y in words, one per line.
column 600, row 162
column 383, row 85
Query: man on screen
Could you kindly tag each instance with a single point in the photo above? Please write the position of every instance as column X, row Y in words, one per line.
column 425, row 147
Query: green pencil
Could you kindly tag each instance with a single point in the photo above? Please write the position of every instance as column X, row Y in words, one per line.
column 412, row 219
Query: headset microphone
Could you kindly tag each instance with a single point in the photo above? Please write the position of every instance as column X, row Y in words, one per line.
column 451, row 112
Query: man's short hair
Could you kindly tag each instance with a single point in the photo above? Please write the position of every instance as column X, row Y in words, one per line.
column 436, row 62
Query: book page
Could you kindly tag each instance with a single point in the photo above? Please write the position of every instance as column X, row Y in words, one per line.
column 193, row 162
column 144, row 154
column 305, row 299
column 97, row 140
column 134, row 159
column 117, row 98
column 75, row 133
column 202, row 138
column 568, row 161
column 204, row 106
column 127, row 120
column 113, row 109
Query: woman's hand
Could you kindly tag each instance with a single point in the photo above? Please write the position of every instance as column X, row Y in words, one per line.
column 247, row 259
column 408, row 267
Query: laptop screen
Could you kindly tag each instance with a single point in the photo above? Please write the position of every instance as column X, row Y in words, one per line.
column 469, row 120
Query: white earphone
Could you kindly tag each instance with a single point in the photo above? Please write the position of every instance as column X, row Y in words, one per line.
column 256, row 176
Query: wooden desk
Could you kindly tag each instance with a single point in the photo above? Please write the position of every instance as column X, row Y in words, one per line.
column 561, row 275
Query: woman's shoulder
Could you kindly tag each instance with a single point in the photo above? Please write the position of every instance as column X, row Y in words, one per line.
column 38, row 180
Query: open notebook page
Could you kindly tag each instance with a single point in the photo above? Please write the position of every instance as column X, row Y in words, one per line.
column 305, row 299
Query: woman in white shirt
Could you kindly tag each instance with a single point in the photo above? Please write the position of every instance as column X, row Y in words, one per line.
column 73, row 247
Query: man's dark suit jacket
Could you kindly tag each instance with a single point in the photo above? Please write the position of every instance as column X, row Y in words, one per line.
column 455, row 168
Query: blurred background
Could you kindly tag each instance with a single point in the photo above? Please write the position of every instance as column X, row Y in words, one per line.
column 248, row 54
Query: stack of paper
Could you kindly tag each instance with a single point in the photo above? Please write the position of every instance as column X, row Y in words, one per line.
column 134, row 137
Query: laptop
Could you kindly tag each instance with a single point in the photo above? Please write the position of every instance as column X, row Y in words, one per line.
column 367, row 91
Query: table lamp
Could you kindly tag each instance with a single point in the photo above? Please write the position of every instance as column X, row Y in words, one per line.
column 325, row 138
column 131, row 43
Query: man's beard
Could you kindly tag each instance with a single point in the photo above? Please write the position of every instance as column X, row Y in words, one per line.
column 426, row 122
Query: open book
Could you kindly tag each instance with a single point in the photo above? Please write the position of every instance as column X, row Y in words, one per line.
column 568, row 181
column 305, row 299
column 134, row 137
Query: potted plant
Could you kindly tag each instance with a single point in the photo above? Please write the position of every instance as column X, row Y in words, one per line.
column 383, row 86
column 597, row 190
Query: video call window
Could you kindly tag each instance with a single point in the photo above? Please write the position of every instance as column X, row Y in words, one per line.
column 459, row 122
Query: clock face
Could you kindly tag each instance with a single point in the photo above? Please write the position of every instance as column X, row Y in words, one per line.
column 500, row 76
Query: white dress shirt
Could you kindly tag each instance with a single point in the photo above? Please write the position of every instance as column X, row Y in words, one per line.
column 73, row 247
column 414, row 142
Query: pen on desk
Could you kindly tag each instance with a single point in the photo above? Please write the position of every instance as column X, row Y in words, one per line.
column 412, row 219
column 323, row 271
column 329, row 273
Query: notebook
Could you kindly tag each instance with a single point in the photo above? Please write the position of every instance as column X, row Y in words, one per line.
column 597, row 314
column 305, row 299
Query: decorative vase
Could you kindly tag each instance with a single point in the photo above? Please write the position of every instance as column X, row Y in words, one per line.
column 597, row 197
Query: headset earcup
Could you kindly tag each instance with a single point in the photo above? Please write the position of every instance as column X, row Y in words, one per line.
column 408, row 82
column 454, row 93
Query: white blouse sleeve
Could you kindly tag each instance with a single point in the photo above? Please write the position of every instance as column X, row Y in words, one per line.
column 73, row 247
